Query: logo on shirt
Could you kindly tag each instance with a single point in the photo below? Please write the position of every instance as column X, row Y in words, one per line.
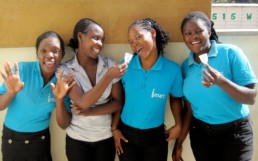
column 156, row 95
column 49, row 99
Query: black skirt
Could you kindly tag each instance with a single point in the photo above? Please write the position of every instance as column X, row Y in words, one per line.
column 26, row 146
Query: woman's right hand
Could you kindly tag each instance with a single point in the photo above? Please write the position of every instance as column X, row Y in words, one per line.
column 117, row 70
column 12, row 79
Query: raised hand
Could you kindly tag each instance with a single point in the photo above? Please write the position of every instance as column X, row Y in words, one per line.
column 63, row 84
column 212, row 77
column 117, row 70
column 12, row 79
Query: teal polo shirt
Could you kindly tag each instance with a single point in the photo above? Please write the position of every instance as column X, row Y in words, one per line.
column 213, row 105
column 146, row 92
column 30, row 110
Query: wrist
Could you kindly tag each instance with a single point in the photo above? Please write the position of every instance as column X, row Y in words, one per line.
column 113, row 130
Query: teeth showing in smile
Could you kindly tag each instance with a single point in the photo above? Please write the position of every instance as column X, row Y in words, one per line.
column 96, row 50
column 138, row 50
column 49, row 63
column 195, row 42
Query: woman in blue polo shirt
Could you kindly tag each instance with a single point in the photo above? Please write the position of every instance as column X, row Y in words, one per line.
column 27, row 93
column 150, row 79
column 217, row 92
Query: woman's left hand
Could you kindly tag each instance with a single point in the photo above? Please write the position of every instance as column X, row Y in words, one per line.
column 118, row 137
column 63, row 84
column 212, row 76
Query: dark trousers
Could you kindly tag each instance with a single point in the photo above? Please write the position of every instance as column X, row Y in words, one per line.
column 28, row 146
column 77, row 150
column 144, row 145
column 225, row 142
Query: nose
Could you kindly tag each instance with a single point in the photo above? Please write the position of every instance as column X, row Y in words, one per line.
column 100, row 43
column 50, row 54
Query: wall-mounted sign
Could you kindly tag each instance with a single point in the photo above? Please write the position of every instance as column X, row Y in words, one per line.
column 235, row 16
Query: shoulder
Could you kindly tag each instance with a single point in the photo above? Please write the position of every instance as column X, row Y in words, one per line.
column 27, row 65
column 170, row 63
column 107, row 61
column 229, row 48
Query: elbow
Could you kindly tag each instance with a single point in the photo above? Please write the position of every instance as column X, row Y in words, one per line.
column 252, row 98
column 63, row 126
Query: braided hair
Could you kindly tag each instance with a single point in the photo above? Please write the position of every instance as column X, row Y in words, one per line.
column 200, row 15
column 83, row 26
column 162, row 36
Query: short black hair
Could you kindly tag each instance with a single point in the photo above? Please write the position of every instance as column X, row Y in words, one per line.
column 82, row 25
column 50, row 34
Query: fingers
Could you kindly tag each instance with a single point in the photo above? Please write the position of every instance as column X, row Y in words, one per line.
column 8, row 69
column 60, row 75
column 68, row 79
column 123, row 68
column 206, row 83
column 16, row 69
column 3, row 76
column 71, row 85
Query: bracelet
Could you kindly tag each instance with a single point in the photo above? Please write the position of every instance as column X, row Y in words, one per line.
column 114, row 130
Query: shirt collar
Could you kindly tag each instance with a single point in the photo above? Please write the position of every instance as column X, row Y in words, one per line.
column 212, row 53
column 37, row 69
column 156, row 66
column 77, row 67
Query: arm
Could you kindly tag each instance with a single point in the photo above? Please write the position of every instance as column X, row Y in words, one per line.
column 114, row 105
column 13, row 84
column 86, row 100
column 63, row 117
column 187, row 117
column 176, row 108
column 242, row 94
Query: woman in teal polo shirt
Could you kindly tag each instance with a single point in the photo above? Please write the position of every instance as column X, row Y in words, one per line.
column 150, row 79
column 217, row 92
column 27, row 93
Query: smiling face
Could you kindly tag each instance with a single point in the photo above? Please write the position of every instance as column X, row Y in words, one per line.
column 196, row 36
column 49, row 54
column 91, row 42
column 142, row 41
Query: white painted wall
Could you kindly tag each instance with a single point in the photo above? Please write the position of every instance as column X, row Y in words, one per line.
column 175, row 51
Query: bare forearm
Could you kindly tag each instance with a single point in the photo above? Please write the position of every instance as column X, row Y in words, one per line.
column 88, row 99
column 63, row 117
column 187, row 117
column 5, row 98
column 107, row 108
column 176, row 108
column 239, row 93
column 115, row 121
